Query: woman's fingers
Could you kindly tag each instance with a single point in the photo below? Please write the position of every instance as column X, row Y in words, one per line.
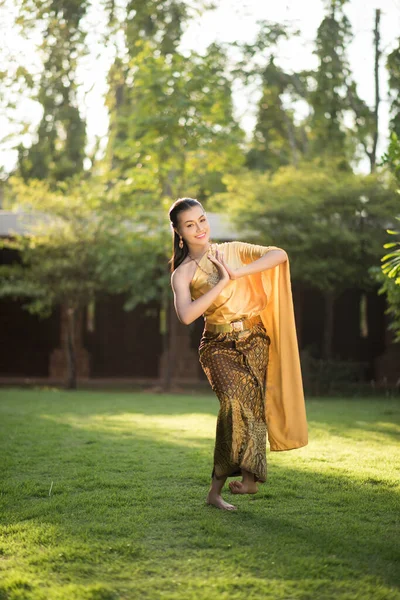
column 219, row 256
column 221, row 259
column 214, row 260
column 218, row 261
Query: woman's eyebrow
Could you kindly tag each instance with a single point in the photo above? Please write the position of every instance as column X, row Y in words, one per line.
column 190, row 220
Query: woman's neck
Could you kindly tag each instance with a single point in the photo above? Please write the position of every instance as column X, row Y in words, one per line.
column 198, row 254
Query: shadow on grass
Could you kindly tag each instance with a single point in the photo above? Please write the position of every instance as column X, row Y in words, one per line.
column 127, row 504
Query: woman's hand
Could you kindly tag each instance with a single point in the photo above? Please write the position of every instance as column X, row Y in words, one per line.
column 226, row 273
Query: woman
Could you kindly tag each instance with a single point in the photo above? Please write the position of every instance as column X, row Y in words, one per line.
column 243, row 292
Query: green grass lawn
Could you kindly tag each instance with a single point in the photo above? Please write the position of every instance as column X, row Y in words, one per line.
column 102, row 497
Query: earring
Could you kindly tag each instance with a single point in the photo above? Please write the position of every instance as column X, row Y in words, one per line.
column 180, row 242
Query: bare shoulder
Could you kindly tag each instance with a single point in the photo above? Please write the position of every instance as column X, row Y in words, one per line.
column 182, row 275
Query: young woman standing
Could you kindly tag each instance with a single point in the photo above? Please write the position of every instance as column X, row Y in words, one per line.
column 248, row 349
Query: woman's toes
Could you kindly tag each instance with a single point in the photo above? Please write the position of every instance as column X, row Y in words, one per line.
column 235, row 487
column 219, row 502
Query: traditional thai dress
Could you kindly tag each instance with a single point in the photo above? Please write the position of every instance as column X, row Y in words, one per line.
column 255, row 373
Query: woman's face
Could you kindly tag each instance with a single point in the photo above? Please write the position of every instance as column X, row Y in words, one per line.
column 194, row 226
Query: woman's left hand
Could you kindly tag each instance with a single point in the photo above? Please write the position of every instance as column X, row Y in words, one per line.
column 220, row 256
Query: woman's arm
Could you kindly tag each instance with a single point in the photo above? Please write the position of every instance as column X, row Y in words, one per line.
column 189, row 310
column 270, row 259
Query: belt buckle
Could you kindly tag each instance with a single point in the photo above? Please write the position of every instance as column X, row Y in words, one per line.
column 237, row 326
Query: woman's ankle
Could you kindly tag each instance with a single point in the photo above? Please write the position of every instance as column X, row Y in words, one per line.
column 248, row 477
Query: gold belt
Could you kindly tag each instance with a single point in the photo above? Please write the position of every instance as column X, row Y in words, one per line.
column 240, row 325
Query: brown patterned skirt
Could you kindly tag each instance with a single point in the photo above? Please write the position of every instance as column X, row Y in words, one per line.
column 235, row 364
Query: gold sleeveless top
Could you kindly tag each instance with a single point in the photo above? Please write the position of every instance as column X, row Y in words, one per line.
column 242, row 298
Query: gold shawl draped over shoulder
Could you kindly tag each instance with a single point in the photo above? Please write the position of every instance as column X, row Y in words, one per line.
column 269, row 294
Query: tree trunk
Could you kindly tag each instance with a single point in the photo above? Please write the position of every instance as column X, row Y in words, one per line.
column 327, row 350
column 377, row 38
column 167, row 344
column 71, row 351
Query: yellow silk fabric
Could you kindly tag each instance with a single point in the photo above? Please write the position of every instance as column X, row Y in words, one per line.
column 267, row 293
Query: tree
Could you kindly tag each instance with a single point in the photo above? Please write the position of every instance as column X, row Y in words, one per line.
column 277, row 141
column 390, row 269
column 175, row 122
column 79, row 250
column 16, row 83
column 59, row 149
column 393, row 67
column 327, row 134
column 339, row 125
column 158, row 21
column 331, row 222
column 366, row 120
column 391, row 266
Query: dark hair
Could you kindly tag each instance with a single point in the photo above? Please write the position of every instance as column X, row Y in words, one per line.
column 179, row 254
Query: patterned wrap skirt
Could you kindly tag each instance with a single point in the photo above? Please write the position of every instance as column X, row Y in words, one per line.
column 235, row 364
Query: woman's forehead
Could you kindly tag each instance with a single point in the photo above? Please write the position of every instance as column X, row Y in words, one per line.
column 191, row 214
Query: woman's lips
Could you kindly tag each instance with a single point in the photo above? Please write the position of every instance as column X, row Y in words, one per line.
column 200, row 236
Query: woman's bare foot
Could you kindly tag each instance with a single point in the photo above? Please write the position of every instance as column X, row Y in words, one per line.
column 219, row 502
column 243, row 487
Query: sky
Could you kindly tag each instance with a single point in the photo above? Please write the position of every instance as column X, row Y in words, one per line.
column 233, row 20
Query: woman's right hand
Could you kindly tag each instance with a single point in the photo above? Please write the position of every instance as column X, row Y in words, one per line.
column 223, row 273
